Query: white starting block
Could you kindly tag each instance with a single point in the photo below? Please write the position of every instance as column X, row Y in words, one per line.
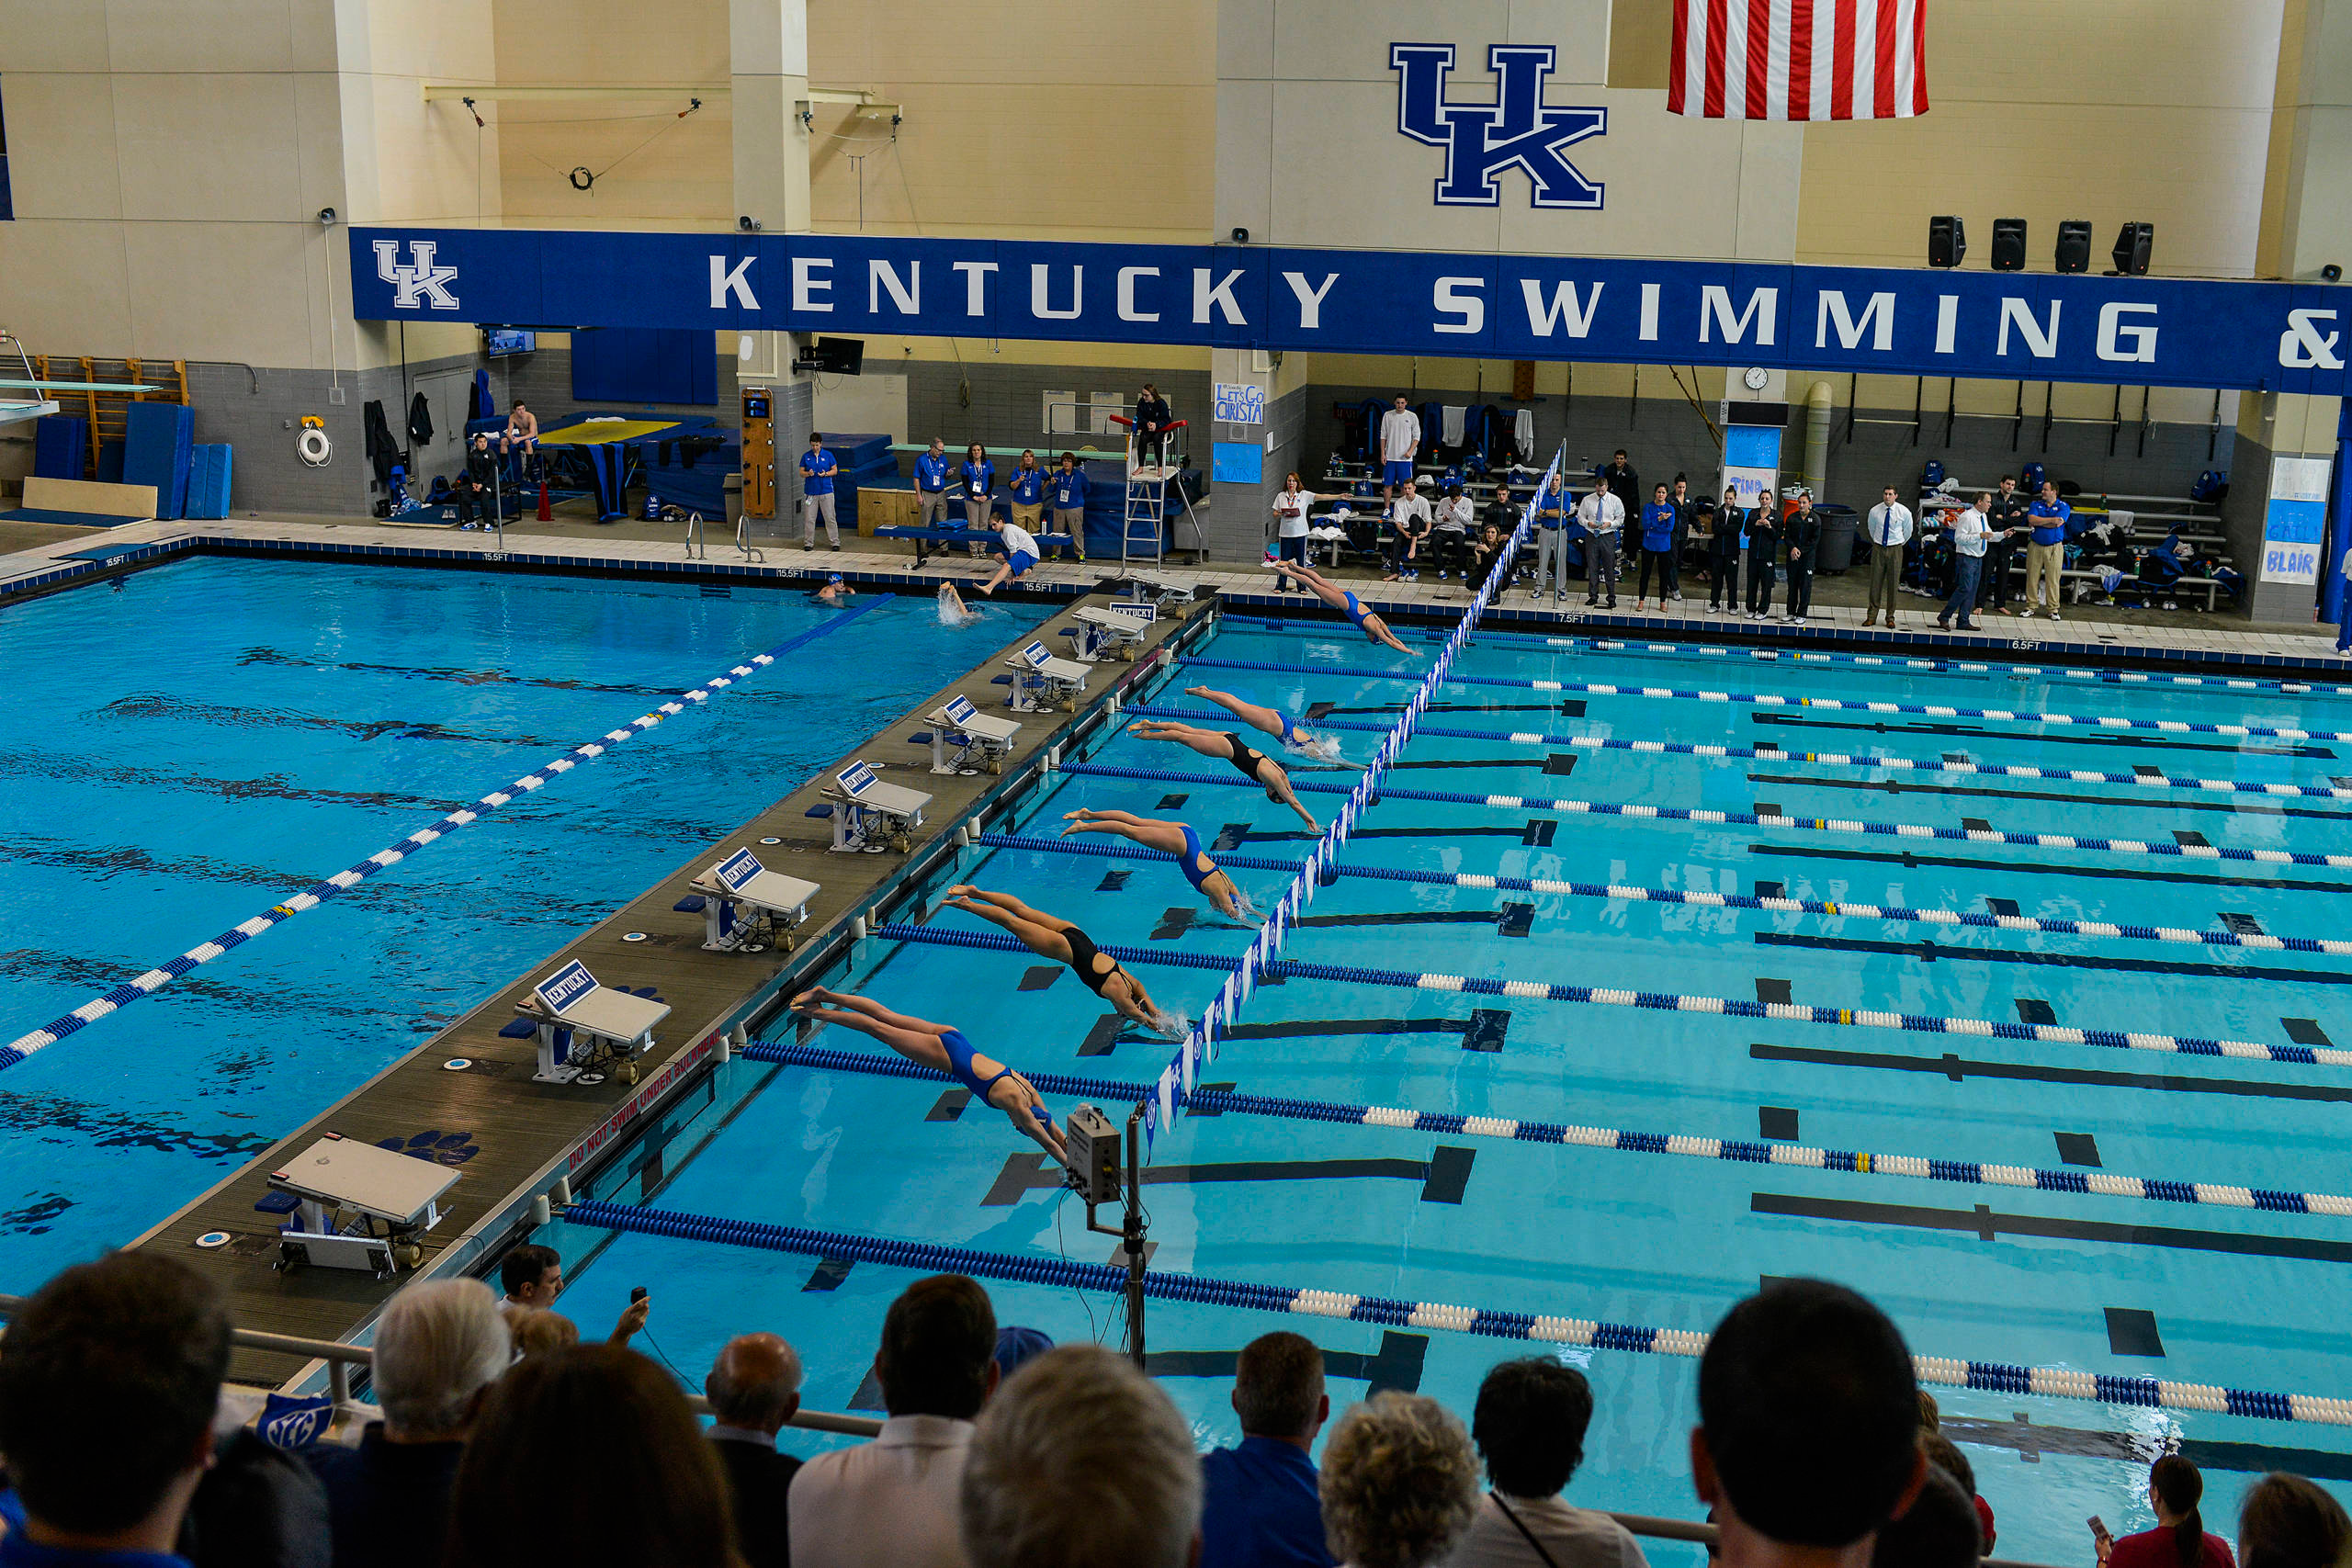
column 1158, row 590
column 869, row 815
column 973, row 733
column 737, row 893
column 1117, row 630
column 568, row 1005
column 1043, row 680
column 357, row 1206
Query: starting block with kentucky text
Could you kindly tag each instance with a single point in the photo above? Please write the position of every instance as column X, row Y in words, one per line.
column 357, row 1206
column 1158, row 590
column 738, row 895
column 869, row 815
column 974, row 734
column 1043, row 681
column 1116, row 629
column 581, row 1025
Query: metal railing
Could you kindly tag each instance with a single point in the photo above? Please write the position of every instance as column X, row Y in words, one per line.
column 694, row 535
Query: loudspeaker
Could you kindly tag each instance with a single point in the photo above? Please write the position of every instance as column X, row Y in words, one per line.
column 1947, row 241
column 2008, row 244
column 2073, row 245
column 2132, row 248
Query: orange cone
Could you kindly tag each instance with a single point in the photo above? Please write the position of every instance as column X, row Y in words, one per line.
column 547, row 510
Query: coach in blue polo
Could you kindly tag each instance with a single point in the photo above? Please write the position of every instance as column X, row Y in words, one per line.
column 817, row 467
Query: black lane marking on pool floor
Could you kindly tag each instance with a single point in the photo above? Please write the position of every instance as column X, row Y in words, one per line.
column 1987, row 1226
column 232, row 718
column 2144, row 873
column 829, row 1273
column 2306, row 1031
column 1927, row 951
column 2250, row 806
column 1444, row 1176
column 2077, row 1148
column 1397, row 1364
column 2131, row 1331
column 1958, row 1070
column 2030, row 1443
column 1331, row 1027
column 1408, row 918
column 2044, row 734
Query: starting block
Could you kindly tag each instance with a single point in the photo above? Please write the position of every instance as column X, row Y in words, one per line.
column 1043, row 680
column 973, row 733
column 580, row 1024
column 358, row 1206
column 1158, row 591
column 1116, row 629
column 737, row 893
column 869, row 815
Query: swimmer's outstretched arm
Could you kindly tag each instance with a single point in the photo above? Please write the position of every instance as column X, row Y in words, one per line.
column 1378, row 630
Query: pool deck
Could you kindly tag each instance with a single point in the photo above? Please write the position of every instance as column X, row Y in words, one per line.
column 528, row 1134
column 2087, row 633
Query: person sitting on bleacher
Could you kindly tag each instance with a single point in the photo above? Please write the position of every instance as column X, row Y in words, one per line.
column 1409, row 517
column 521, row 441
column 1450, row 537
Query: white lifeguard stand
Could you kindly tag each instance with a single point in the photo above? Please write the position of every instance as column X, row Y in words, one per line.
column 1143, row 531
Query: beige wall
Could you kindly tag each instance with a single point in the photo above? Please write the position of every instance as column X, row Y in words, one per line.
column 2158, row 112
column 167, row 178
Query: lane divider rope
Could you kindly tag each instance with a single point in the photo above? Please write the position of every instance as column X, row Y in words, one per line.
column 163, row 975
column 1775, row 906
column 2094, row 1183
column 1164, row 1285
column 1668, row 1001
column 1830, row 704
column 1755, row 819
column 1817, row 759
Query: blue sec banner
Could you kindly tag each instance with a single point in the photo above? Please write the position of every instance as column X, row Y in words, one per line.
column 2288, row 338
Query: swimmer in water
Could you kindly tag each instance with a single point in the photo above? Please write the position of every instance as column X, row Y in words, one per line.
column 953, row 612
column 1324, row 748
column 1048, row 936
column 938, row 1046
column 1173, row 838
column 835, row 592
column 1340, row 599
column 1225, row 746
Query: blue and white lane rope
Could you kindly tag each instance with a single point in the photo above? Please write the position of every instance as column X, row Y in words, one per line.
column 1756, row 819
column 1830, row 704
column 1817, row 759
column 1175, row 1082
column 1770, row 905
column 1061, row 1273
column 1852, row 1162
column 155, row 979
column 2236, row 683
column 1669, row 1001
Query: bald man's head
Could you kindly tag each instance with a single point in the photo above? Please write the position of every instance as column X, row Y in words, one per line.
column 754, row 1384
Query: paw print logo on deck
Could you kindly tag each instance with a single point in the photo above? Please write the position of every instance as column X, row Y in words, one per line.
column 441, row 1148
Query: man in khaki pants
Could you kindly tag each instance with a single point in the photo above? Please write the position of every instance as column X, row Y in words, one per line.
column 2045, row 553
column 1890, row 522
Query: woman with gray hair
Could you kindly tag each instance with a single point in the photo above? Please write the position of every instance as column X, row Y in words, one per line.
column 1400, row 1483
column 439, row 1347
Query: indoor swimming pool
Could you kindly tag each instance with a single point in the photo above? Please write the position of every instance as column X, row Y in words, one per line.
column 205, row 738
column 2056, row 994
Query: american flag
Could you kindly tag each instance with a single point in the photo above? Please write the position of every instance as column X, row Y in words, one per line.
column 1799, row 59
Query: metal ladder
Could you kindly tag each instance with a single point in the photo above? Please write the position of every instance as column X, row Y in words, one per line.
column 1143, row 534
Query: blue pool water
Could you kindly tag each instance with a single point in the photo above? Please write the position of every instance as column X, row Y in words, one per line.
column 2199, row 1293
column 183, row 753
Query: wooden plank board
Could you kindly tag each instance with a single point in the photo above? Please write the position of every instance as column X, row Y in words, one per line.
column 518, row 1128
column 89, row 495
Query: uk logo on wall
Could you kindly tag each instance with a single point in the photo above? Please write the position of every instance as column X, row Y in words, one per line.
column 419, row 281
column 1518, row 129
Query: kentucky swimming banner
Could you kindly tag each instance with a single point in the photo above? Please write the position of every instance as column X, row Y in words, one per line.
column 1999, row 326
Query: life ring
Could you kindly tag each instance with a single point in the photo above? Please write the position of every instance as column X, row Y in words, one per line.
column 314, row 446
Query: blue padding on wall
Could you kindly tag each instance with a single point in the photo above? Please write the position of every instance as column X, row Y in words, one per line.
column 60, row 446
column 207, row 481
column 636, row 365
column 156, row 443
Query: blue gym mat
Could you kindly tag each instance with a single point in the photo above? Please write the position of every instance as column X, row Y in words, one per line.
column 75, row 519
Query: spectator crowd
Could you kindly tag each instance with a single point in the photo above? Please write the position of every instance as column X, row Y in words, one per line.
column 1813, row 1446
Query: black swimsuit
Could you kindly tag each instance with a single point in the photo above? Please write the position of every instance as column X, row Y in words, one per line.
column 1082, row 953
column 1246, row 760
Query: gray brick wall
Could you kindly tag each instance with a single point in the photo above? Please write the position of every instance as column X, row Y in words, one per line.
column 1007, row 401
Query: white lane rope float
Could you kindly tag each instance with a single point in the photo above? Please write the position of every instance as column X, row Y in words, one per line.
column 163, row 975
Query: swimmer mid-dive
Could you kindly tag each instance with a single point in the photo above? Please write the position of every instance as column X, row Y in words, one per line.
column 953, row 611
column 1340, row 599
column 1174, row 839
column 1225, row 746
column 1049, row 936
column 1323, row 748
column 944, row 1048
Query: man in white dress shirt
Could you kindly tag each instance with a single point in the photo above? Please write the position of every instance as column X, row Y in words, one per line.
column 1603, row 517
column 894, row 1502
column 1890, row 525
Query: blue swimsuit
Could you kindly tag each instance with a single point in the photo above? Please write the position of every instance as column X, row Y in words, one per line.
column 1289, row 736
column 1355, row 611
column 1191, row 863
column 959, row 1063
